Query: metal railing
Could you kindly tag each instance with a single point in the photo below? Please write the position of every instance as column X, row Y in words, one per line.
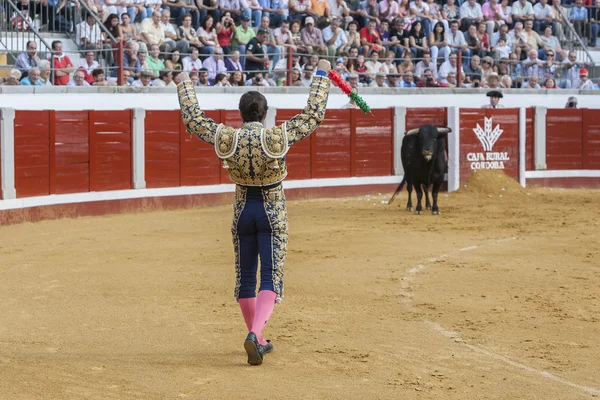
column 574, row 41
column 18, row 29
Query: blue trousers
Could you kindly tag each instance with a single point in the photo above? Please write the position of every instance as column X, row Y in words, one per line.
column 260, row 230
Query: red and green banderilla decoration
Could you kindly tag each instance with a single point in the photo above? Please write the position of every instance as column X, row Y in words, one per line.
column 345, row 87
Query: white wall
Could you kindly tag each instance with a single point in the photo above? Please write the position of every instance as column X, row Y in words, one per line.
column 290, row 98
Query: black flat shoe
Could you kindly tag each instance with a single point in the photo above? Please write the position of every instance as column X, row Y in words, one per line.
column 267, row 348
column 254, row 349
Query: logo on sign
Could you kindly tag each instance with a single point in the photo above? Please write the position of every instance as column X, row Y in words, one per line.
column 488, row 136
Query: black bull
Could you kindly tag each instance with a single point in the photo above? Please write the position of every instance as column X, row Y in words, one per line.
column 424, row 161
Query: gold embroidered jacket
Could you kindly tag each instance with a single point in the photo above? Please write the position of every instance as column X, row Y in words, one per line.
column 254, row 155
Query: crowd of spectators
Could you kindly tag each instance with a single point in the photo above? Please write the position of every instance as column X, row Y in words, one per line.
column 370, row 43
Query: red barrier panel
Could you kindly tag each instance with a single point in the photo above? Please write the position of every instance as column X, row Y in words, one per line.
column 489, row 139
column 330, row 146
column 69, row 152
column 199, row 162
column 110, row 150
column 32, row 153
column 591, row 143
column 415, row 117
column 162, row 147
column 529, row 139
column 298, row 157
column 372, row 142
column 564, row 139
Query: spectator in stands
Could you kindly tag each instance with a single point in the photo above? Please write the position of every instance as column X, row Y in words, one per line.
column 44, row 67
column 283, row 37
column 225, row 30
column 492, row 14
column 578, row 16
column 425, row 65
column 270, row 45
column 492, row 81
column 300, row 9
column 312, row 37
column 88, row 64
column 407, row 81
column 179, row 8
column 379, row 81
column 152, row 31
column 502, row 50
column 522, row 11
column 542, row 14
column 369, row 37
column 208, row 36
column 557, row 16
column 254, row 11
column 12, row 79
column 128, row 30
column 438, row 44
column 417, row 40
column 532, row 66
column 450, row 80
column 165, row 79
column 420, row 10
column 595, row 23
column 352, row 37
column 429, row 80
column 484, row 38
column 341, row 11
column 399, row 39
column 187, row 36
column 534, row 41
column 550, row 84
column 502, row 32
column 487, row 66
column 142, row 57
column 450, row 12
column 256, row 56
column 584, row 82
column 116, row 7
column 320, row 10
column 98, row 75
column 89, row 36
column 473, row 43
column 78, row 79
column 297, row 37
column 203, row 77
column 222, row 81
column 473, row 68
column 145, row 80
column 518, row 40
column 353, row 80
column 570, row 71
column 243, row 35
column 32, row 78
column 456, row 42
column 135, row 9
column 170, row 33
column 28, row 59
column 449, row 66
column 130, row 60
column 335, row 38
column 470, row 13
column 532, row 83
column 234, row 7
column 548, row 68
column 407, row 64
column 236, row 79
column 215, row 64
column 389, row 66
column 370, row 11
column 63, row 66
column 173, row 61
column 192, row 62
column 233, row 63
column 154, row 63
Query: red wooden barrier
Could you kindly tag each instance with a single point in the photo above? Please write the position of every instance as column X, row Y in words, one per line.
column 69, row 152
column 199, row 162
column 110, row 150
column 591, row 141
column 497, row 146
column 564, row 139
column 330, row 146
column 415, row 117
column 32, row 153
column 529, row 139
column 162, row 148
column 372, row 143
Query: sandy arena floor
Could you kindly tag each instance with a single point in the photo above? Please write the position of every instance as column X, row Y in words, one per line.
column 497, row 298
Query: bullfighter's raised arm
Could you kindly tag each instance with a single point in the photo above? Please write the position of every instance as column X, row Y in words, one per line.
column 193, row 117
column 303, row 124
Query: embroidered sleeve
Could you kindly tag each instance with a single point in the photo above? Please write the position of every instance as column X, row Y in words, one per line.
column 193, row 117
column 313, row 114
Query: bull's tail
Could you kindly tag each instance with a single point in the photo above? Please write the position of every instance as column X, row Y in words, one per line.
column 398, row 189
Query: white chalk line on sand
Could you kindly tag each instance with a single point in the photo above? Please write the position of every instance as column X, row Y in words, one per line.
column 407, row 296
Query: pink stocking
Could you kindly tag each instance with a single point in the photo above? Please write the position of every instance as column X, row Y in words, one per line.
column 265, row 302
column 248, row 306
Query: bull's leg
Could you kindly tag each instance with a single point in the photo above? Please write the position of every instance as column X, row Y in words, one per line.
column 419, row 190
column 409, row 188
column 434, row 193
column 427, row 203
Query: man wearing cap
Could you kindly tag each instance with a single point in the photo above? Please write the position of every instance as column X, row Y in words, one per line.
column 334, row 38
column 243, row 35
column 313, row 37
column 255, row 159
column 495, row 97
column 255, row 53
column 379, row 81
column 584, row 82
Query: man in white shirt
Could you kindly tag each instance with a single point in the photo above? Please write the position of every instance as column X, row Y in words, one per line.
column 522, row 11
column 449, row 66
column 170, row 34
column 504, row 32
column 78, row 79
column 89, row 37
column 470, row 13
column 456, row 42
column 192, row 63
column 334, row 38
column 425, row 64
column 542, row 14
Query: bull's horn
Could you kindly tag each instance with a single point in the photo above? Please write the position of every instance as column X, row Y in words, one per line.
column 444, row 130
column 412, row 131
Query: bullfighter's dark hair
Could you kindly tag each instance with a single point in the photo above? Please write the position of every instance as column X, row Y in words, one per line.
column 253, row 107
